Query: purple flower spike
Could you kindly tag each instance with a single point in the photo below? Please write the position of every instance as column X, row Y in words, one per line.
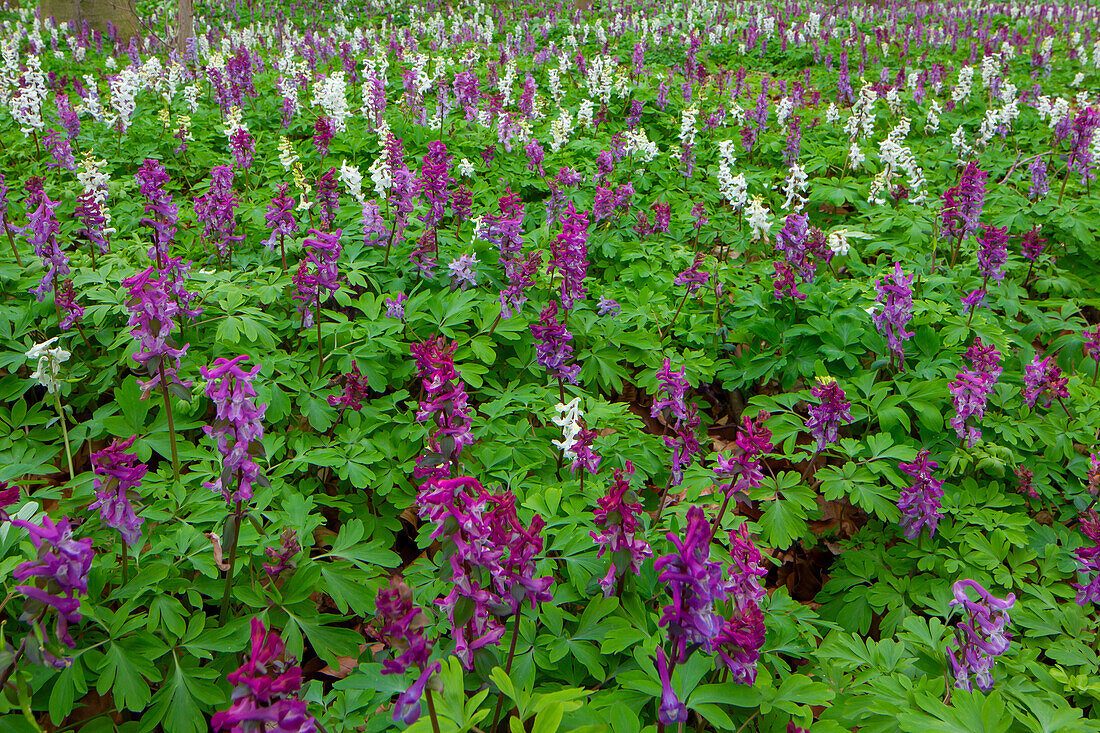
column 982, row 638
column 1043, row 378
column 395, row 306
column 407, row 708
column 280, row 218
column 355, row 390
column 44, row 229
column 993, row 251
column 117, row 472
column 962, row 204
column 444, row 407
column 318, row 275
column 63, row 564
column 742, row 472
column 434, row 183
column 1092, row 343
column 920, row 503
column 216, row 210
column 692, row 277
column 972, row 388
column 895, row 310
column 552, row 348
column 826, row 418
column 238, row 427
column 569, row 256
column 492, row 563
column 152, row 318
column 696, row 584
column 1088, row 558
column 618, row 514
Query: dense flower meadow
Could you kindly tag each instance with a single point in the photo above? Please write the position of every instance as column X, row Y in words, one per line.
column 526, row 367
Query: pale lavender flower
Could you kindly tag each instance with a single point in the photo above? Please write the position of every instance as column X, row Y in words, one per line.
column 982, row 638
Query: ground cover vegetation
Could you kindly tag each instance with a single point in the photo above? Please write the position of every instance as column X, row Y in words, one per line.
column 526, row 367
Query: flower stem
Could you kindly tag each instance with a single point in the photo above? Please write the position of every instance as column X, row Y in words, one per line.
column 64, row 433
column 125, row 561
column 976, row 305
column 431, row 710
column 721, row 512
column 171, row 424
column 676, row 314
column 507, row 665
column 11, row 239
column 664, row 498
column 317, row 318
column 232, row 560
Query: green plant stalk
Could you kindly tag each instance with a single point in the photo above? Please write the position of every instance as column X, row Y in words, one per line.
column 1065, row 180
column 721, row 513
column 11, row 239
column 7, row 673
column 171, row 424
column 664, row 498
column 125, row 561
column 507, row 665
column 224, row 616
column 64, row 433
column 317, row 318
column 675, row 315
column 431, row 710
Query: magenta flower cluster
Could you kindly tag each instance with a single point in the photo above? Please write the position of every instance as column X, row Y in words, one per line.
column 972, row 388
column 216, row 211
column 697, row 584
column 152, row 320
column 552, row 347
column 1088, row 557
column 491, row 556
column 1043, row 378
column 569, row 256
column 265, row 692
column 62, row 565
column 318, row 275
column 402, row 628
column 832, row 411
column 118, row 472
column 920, row 502
column 618, row 514
column 445, row 405
column 963, row 203
column 741, row 471
column 44, row 229
column 692, row 277
column 681, row 417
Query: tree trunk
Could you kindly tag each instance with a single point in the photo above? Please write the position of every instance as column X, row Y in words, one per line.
column 97, row 12
column 185, row 25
